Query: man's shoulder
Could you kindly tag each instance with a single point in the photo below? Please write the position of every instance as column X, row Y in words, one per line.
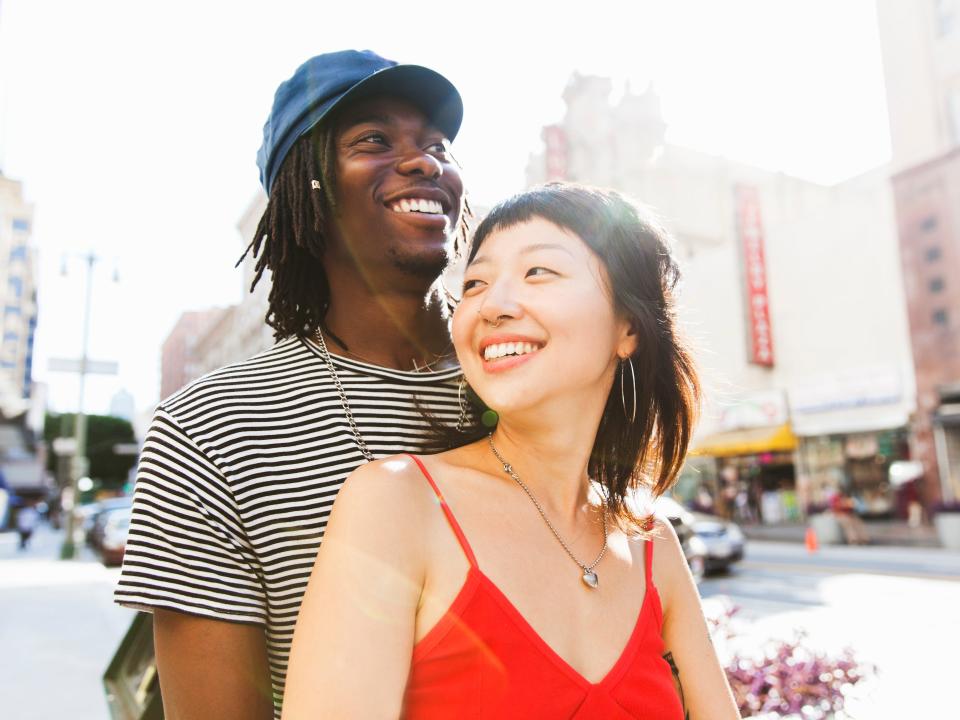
column 258, row 379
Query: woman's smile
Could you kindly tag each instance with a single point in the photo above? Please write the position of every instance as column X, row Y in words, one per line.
column 503, row 352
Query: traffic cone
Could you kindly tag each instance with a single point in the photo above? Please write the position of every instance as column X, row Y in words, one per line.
column 810, row 540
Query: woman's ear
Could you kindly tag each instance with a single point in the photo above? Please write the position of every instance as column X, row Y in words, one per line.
column 629, row 338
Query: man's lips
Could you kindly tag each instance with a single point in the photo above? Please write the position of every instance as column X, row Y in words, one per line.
column 429, row 200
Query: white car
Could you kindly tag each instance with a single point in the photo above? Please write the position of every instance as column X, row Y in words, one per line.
column 724, row 541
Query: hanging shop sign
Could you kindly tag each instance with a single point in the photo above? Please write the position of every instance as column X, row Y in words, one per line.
column 764, row 408
column 750, row 235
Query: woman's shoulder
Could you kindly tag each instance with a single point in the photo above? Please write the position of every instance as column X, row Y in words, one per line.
column 392, row 482
column 669, row 563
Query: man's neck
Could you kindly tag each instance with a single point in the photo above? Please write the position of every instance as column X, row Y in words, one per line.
column 398, row 329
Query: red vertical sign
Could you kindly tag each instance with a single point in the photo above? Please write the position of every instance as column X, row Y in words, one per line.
column 750, row 229
column 555, row 140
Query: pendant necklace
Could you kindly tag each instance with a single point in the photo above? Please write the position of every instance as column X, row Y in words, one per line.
column 589, row 577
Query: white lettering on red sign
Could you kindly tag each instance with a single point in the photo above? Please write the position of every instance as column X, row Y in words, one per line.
column 750, row 229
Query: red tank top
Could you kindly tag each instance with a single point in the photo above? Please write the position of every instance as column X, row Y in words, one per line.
column 483, row 660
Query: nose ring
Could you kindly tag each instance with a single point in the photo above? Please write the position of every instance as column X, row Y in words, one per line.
column 496, row 324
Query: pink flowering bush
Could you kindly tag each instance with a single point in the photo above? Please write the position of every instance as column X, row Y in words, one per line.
column 788, row 679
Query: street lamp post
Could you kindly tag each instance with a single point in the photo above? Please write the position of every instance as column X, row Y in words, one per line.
column 79, row 465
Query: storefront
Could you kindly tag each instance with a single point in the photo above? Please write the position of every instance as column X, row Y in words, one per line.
column 852, row 426
column 754, row 479
column 857, row 464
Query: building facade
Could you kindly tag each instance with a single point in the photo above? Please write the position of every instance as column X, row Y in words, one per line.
column 920, row 44
column 178, row 357
column 19, row 287
column 791, row 296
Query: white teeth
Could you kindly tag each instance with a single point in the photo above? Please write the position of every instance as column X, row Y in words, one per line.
column 492, row 352
column 421, row 205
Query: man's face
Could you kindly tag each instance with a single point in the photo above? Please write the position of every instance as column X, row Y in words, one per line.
column 398, row 191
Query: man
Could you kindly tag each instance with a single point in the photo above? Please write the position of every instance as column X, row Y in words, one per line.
column 239, row 469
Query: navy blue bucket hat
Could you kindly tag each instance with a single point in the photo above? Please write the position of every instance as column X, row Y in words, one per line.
column 325, row 82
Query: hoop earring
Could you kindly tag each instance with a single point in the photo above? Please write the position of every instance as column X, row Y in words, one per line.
column 623, row 393
column 462, row 420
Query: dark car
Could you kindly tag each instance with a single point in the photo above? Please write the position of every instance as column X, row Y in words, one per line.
column 98, row 518
column 113, row 538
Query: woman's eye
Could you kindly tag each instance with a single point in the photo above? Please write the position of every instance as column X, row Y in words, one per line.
column 535, row 271
column 438, row 147
column 469, row 285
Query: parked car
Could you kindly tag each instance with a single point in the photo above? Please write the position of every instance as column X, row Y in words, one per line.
column 694, row 549
column 113, row 540
column 98, row 519
column 723, row 540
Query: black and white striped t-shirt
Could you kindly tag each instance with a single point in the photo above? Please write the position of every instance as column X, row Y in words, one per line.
column 239, row 471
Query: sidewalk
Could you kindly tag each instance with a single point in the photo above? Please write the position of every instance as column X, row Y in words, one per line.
column 882, row 532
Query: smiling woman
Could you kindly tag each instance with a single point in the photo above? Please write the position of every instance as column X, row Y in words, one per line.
column 566, row 328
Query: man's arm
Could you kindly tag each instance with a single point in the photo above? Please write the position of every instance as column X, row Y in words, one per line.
column 211, row 669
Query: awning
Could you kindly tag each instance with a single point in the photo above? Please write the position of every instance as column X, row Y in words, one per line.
column 747, row 442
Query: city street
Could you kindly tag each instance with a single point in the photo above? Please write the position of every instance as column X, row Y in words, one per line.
column 896, row 607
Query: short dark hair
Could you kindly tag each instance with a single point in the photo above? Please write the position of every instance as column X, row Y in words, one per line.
column 635, row 250
column 291, row 236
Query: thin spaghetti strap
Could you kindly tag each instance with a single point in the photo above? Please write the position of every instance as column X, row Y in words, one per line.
column 648, row 562
column 454, row 525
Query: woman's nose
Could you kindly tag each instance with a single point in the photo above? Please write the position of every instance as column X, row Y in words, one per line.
column 499, row 304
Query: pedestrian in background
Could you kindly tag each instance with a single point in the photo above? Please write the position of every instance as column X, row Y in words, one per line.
column 27, row 520
column 508, row 578
column 239, row 469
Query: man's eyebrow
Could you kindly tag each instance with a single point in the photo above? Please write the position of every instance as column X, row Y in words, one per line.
column 527, row 249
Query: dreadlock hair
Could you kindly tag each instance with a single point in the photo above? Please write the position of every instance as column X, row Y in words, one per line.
column 290, row 239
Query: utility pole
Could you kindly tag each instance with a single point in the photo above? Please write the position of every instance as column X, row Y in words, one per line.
column 80, row 465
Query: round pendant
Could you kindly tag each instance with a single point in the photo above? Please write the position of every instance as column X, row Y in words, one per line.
column 590, row 579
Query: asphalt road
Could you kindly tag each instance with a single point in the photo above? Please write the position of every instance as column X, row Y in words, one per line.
column 896, row 607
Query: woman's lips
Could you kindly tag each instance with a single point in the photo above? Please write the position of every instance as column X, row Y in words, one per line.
column 500, row 353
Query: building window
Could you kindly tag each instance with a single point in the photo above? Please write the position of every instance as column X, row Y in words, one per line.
column 936, row 285
column 933, row 253
column 929, row 223
column 18, row 252
column 940, row 317
column 21, row 224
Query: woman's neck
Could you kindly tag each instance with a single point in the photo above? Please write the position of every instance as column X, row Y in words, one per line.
column 551, row 461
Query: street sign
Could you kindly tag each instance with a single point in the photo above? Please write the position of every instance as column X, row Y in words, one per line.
column 97, row 367
column 64, row 445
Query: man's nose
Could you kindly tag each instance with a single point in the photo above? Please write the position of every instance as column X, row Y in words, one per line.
column 418, row 162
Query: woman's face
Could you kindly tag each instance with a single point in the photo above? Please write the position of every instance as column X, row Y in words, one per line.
column 559, row 337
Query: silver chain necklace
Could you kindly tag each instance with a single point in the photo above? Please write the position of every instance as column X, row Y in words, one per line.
column 589, row 578
column 343, row 397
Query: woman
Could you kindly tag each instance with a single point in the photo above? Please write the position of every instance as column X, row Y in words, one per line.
column 508, row 577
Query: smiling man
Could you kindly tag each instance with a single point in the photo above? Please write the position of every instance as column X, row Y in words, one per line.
column 240, row 469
